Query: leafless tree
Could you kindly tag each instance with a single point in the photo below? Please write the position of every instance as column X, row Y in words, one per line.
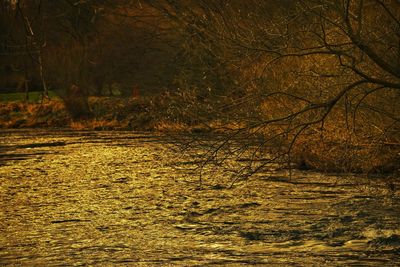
column 321, row 81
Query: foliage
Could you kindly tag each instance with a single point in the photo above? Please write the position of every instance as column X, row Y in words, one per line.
column 319, row 81
column 51, row 113
column 311, row 82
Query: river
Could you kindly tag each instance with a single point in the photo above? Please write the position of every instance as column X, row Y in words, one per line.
column 127, row 199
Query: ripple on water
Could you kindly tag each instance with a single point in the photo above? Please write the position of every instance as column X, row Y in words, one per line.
column 117, row 198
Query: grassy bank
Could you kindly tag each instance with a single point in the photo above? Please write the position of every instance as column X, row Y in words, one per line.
column 53, row 114
column 105, row 113
column 333, row 150
column 33, row 97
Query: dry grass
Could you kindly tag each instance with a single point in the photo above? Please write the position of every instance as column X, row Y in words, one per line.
column 334, row 148
column 337, row 149
column 22, row 115
column 167, row 126
column 96, row 124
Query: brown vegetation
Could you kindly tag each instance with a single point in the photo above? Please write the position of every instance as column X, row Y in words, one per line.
column 314, row 82
column 28, row 115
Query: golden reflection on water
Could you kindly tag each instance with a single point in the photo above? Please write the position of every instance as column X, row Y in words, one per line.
column 103, row 200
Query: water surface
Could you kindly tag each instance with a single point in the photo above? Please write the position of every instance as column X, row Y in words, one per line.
column 125, row 199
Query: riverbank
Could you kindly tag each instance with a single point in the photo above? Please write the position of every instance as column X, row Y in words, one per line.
column 106, row 114
column 165, row 112
column 330, row 151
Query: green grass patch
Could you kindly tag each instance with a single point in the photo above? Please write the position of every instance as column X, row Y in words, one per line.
column 33, row 97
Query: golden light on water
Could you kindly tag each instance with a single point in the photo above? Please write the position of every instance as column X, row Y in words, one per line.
column 102, row 200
